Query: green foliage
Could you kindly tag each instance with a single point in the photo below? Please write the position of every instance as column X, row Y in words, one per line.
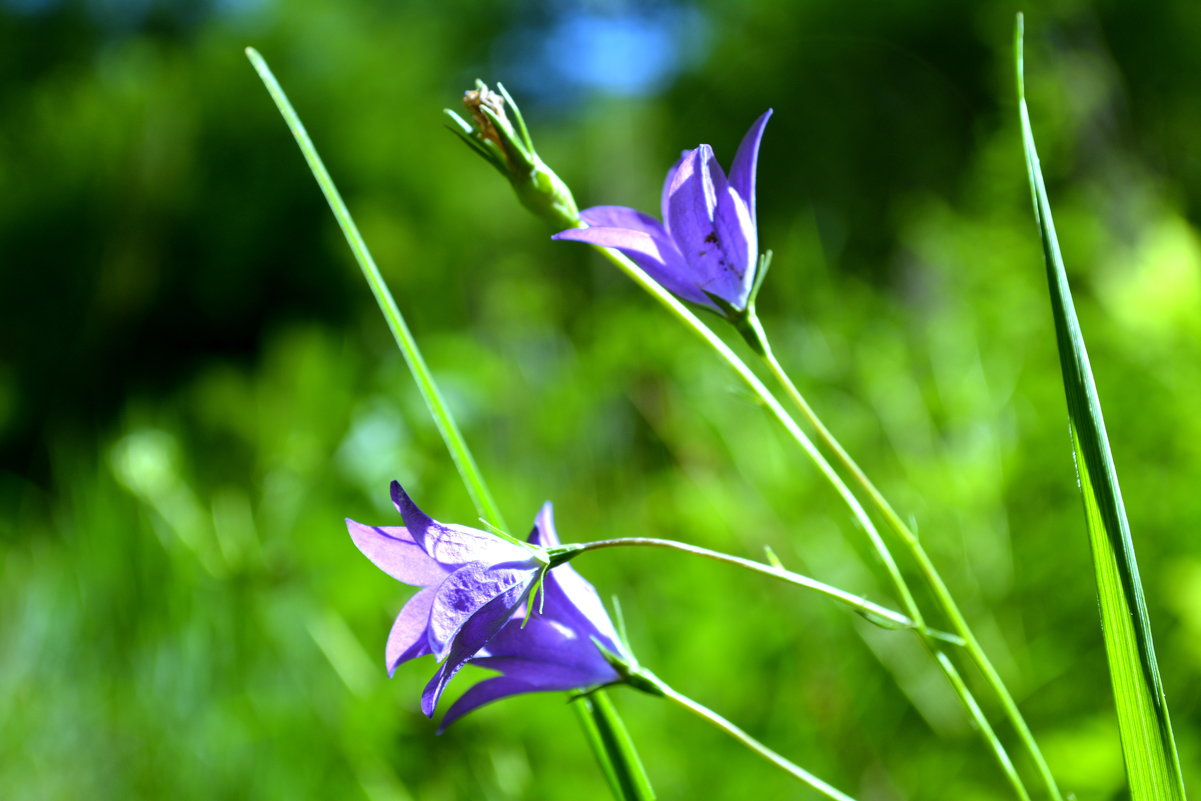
column 176, row 294
column 1152, row 764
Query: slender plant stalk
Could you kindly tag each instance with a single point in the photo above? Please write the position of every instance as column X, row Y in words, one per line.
column 464, row 462
column 703, row 712
column 694, row 324
column 872, row 611
column 615, row 751
column 928, row 570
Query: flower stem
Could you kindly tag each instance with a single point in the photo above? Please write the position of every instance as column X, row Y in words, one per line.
column 616, row 758
column 908, row 603
column 750, row 742
column 878, row 614
column 928, row 570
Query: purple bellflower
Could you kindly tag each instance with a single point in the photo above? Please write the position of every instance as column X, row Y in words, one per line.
column 472, row 607
column 472, row 582
column 707, row 247
column 554, row 647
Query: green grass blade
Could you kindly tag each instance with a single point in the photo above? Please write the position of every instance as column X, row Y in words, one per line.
column 613, row 748
column 470, row 473
column 1152, row 764
column 611, row 742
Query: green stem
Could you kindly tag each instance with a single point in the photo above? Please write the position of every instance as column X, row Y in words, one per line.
column 756, row 386
column 933, row 578
column 617, row 756
column 750, row 742
column 480, row 496
column 693, row 323
column 872, row 611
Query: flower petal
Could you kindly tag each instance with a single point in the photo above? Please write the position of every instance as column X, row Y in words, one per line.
column 467, row 596
column 474, row 634
column 485, row 692
column 409, row 637
column 728, row 270
column 574, row 602
column 549, row 642
column 544, row 534
column 393, row 551
column 691, row 199
column 622, row 217
column 656, row 254
column 742, row 170
column 710, row 227
column 452, row 545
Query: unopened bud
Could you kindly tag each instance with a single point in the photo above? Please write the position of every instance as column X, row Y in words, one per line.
column 505, row 143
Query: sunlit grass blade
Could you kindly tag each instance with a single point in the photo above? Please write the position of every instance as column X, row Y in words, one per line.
column 614, row 750
column 1152, row 764
column 609, row 738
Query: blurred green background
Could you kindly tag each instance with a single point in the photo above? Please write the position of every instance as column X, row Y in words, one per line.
column 195, row 385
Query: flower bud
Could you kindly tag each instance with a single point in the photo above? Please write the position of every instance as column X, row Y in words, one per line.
column 507, row 146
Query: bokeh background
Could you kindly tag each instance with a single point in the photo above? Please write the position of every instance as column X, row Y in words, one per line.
column 195, row 385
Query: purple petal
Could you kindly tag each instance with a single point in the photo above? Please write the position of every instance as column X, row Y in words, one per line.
column 470, row 638
column 622, row 217
column 485, row 692
column 728, row 270
column 452, row 545
column 742, row 170
column 544, row 534
column 572, row 601
column 467, row 596
column 409, row 637
column 690, row 199
column 548, row 642
column 657, row 255
column 393, row 551
column 669, row 183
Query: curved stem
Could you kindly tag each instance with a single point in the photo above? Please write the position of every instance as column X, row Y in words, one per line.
column 933, row 578
column 875, row 612
column 750, row 742
column 756, row 386
column 777, row 411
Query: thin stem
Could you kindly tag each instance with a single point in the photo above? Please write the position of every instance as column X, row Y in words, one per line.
column 616, row 755
column 472, row 479
column 750, row 742
column 928, row 570
column 858, row 603
column 756, row 386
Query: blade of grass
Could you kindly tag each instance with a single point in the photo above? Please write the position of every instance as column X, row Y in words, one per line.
column 615, row 750
column 1152, row 764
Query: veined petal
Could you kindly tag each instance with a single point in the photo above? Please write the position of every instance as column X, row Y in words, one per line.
column 574, row 602
column 656, row 254
column 472, row 636
column 728, row 269
column 622, row 217
column 467, row 596
column 485, row 692
column 544, row 534
column 547, row 641
column 409, row 637
column 452, row 545
column 691, row 199
column 393, row 551
column 669, row 183
column 743, row 168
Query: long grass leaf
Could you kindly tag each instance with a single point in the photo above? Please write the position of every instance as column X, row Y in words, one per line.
column 603, row 726
column 1152, row 764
